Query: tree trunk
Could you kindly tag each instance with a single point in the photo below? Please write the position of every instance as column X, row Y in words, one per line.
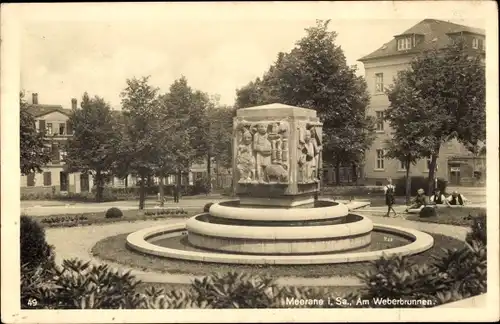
column 142, row 196
column 355, row 173
column 161, row 190
column 98, row 186
column 126, row 181
column 178, row 182
column 337, row 173
column 209, row 172
column 408, row 183
column 432, row 173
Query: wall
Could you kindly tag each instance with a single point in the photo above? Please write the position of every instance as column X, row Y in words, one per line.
column 379, row 102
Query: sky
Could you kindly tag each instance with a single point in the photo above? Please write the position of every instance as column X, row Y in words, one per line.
column 72, row 49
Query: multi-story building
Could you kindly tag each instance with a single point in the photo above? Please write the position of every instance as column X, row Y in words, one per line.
column 455, row 163
column 55, row 178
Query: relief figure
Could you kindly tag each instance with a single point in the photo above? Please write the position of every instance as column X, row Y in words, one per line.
column 245, row 159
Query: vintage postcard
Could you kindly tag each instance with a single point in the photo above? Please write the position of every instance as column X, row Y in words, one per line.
column 249, row 162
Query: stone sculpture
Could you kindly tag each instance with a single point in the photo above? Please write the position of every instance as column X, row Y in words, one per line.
column 262, row 152
column 308, row 155
column 245, row 158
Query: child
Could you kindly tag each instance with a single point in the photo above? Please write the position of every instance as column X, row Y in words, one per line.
column 389, row 197
column 419, row 202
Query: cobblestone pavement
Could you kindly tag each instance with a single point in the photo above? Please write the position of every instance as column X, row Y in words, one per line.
column 77, row 242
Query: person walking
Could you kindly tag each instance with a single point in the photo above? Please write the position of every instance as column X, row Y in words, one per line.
column 176, row 194
column 389, row 189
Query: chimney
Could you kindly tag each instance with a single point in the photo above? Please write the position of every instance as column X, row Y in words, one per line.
column 35, row 98
column 73, row 103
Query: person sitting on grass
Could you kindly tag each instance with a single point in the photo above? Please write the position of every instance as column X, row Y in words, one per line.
column 456, row 199
column 438, row 198
column 419, row 202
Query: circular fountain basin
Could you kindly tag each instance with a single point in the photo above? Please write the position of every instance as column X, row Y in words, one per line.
column 251, row 239
column 323, row 209
column 143, row 241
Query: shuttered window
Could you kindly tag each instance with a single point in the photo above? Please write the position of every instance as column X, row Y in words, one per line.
column 69, row 128
column 42, row 126
column 55, row 153
column 47, row 178
column 31, row 180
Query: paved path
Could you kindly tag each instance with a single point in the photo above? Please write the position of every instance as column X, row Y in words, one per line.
column 43, row 209
column 77, row 242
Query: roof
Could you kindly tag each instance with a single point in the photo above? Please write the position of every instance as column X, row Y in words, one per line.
column 41, row 110
column 435, row 32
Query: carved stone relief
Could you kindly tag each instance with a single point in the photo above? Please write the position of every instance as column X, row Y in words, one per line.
column 262, row 152
column 309, row 152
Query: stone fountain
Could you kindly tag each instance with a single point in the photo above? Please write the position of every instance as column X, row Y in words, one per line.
column 277, row 218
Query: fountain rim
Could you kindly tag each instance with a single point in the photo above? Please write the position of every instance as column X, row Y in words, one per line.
column 336, row 210
column 138, row 242
column 278, row 233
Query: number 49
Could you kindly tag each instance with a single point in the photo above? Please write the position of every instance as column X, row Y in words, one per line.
column 32, row 302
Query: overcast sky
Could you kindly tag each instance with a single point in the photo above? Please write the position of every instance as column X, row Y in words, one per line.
column 66, row 51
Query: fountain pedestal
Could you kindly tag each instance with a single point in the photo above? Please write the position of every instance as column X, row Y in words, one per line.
column 277, row 155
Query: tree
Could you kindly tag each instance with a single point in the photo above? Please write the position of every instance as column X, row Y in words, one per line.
column 445, row 91
column 315, row 75
column 32, row 143
column 92, row 148
column 406, row 144
column 184, row 109
column 141, row 127
column 219, row 139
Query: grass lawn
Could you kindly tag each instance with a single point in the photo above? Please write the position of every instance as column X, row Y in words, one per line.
column 114, row 249
column 82, row 219
column 458, row 216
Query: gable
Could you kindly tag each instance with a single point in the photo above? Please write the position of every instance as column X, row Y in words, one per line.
column 54, row 116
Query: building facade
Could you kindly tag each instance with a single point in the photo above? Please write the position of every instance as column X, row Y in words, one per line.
column 55, row 178
column 455, row 163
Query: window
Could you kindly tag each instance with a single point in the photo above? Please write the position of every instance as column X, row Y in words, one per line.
column 428, row 164
column 31, row 180
column 62, row 128
column 49, row 129
column 379, row 82
column 380, row 160
column 120, row 182
column 62, row 154
column 475, row 43
column 402, row 166
column 380, row 120
column 481, row 43
column 47, row 179
column 404, row 44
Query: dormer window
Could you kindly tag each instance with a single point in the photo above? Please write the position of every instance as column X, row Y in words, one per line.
column 404, row 43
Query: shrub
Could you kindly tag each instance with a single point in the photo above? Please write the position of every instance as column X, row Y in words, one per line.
column 234, row 290
column 455, row 275
column 77, row 285
column 114, row 213
column 207, row 206
column 35, row 251
column 417, row 183
column 427, row 211
column 478, row 229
